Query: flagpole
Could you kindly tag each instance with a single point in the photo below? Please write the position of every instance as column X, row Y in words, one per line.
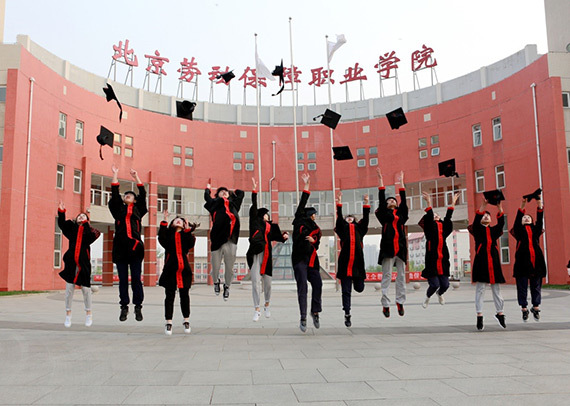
column 259, row 183
column 294, row 110
column 330, row 129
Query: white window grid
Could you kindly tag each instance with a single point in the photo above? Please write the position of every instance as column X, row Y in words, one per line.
column 497, row 129
column 477, row 135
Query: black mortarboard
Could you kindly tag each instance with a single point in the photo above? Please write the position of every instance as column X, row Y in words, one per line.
column 342, row 153
column 184, row 109
column 110, row 95
column 329, row 118
column 279, row 72
column 105, row 137
column 447, row 168
column 494, row 196
column 396, row 118
column 534, row 195
column 226, row 76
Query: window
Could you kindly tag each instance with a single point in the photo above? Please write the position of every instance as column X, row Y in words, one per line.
column 423, row 153
column 500, row 176
column 249, row 156
column 117, row 149
column 177, row 149
column 2, row 93
column 57, row 246
column 79, row 132
column 62, row 124
column 422, row 142
column 128, row 140
column 504, row 243
column 189, row 151
column 312, row 156
column 249, row 167
column 361, row 163
column 373, row 161
column 312, row 166
column 237, row 166
column 497, row 131
column 188, row 162
column 434, row 139
column 435, row 151
column 361, row 152
column 301, row 166
column 176, row 160
column 565, row 99
column 117, row 138
column 373, row 150
column 77, row 181
column 128, row 152
column 479, row 181
column 300, row 156
column 477, row 135
column 237, row 155
column 60, row 176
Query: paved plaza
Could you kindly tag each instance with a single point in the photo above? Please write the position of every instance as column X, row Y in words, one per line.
column 432, row 356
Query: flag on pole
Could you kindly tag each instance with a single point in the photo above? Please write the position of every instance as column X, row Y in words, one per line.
column 333, row 46
column 262, row 70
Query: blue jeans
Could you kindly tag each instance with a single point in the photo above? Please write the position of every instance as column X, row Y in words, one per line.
column 346, row 284
column 535, row 290
column 303, row 275
column 439, row 282
column 136, row 284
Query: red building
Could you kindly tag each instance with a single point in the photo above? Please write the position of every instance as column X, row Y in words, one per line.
column 488, row 120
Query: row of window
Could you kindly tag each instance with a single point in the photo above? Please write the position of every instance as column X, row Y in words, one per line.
column 177, row 158
column 500, row 181
column 62, row 131
column 60, row 178
column 422, row 142
column 123, row 143
column 478, row 133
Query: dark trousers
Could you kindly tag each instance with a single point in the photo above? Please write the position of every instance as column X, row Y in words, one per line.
column 169, row 302
column 439, row 282
column 136, row 284
column 535, row 289
column 347, row 283
column 302, row 275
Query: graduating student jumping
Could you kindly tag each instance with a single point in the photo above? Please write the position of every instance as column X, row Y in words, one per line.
column 224, row 209
column 261, row 233
column 351, row 271
column 128, row 248
column 77, row 260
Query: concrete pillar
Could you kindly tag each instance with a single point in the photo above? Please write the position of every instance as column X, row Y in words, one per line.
column 2, row 18
column 107, row 277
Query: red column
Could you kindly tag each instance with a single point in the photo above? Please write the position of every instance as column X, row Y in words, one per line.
column 150, row 232
column 108, row 258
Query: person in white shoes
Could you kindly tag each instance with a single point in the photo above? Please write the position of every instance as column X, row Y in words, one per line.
column 261, row 233
column 77, row 263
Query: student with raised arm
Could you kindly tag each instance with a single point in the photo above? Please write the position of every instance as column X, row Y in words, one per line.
column 259, row 259
column 224, row 209
column 306, row 240
column 436, row 231
column 393, row 245
column 350, row 265
column 128, row 249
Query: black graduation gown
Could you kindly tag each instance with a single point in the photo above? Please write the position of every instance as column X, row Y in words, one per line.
column 127, row 242
column 529, row 258
column 225, row 217
column 78, row 255
column 437, row 253
column 303, row 226
column 261, row 233
column 177, row 272
column 393, row 242
column 351, row 235
column 487, row 263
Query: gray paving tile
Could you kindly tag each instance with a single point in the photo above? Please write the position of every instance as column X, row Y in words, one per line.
column 181, row 395
column 23, row 395
column 312, row 392
column 356, row 374
column 145, row 378
column 253, row 394
column 488, row 370
column 490, row 386
column 70, row 395
column 506, row 400
column 234, row 377
column 250, row 364
column 311, row 363
column 414, row 389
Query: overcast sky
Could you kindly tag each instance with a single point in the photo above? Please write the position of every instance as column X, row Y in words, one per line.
column 464, row 36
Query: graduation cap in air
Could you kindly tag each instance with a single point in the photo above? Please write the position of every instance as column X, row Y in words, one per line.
column 396, row 118
column 105, row 137
column 447, row 168
column 279, row 72
column 226, row 76
column 329, row 118
column 110, row 95
column 494, row 196
column 342, row 153
column 534, row 195
column 184, row 109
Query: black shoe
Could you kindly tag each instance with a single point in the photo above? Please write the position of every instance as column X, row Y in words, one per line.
column 347, row 321
column 525, row 315
column 124, row 312
column 400, row 309
column 217, row 288
column 480, row 325
column 535, row 313
column 138, row 313
column 501, row 319
column 226, row 292
column 316, row 322
column 303, row 325
column 386, row 311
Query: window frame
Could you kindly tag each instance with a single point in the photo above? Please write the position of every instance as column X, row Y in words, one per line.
column 58, row 236
column 422, row 142
column 423, row 152
column 502, row 174
column 77, row 177
column 237, row 166
column 477, row 178
column 79, row 130
column 497, row 128
column 176, row 160
column 476, row 129
column 60, row 174
column 361, row 152
column 312, row 166
column 361, row 163
column 62, row 125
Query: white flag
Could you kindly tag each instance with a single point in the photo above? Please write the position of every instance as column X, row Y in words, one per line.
column 333, row 46
column 262, row 71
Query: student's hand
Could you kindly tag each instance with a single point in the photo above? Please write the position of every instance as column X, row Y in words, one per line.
column 306, row 178
column 310, row 239
column 379, row 175
column 254, row 184
column 165, row 215
column 500, row 207
column 539, row 202
column 285, row 235
column 455, row 198
column 135, row 176
column 61, row 206
column 484, row 205
column 427, row 198
column 339, row 198
column 366, row 199
column 115, row 170
column 523, row 203
column 401, row 179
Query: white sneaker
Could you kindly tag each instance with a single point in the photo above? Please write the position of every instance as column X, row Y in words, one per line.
column 168, row 329
column 256, row 315
column 267, row 312
column 425, row 302
column 67, row 322
column 89, row 320
column 187, row 328
column 441, row 299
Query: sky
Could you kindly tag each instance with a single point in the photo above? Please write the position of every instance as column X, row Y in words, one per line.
column 463, row 35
